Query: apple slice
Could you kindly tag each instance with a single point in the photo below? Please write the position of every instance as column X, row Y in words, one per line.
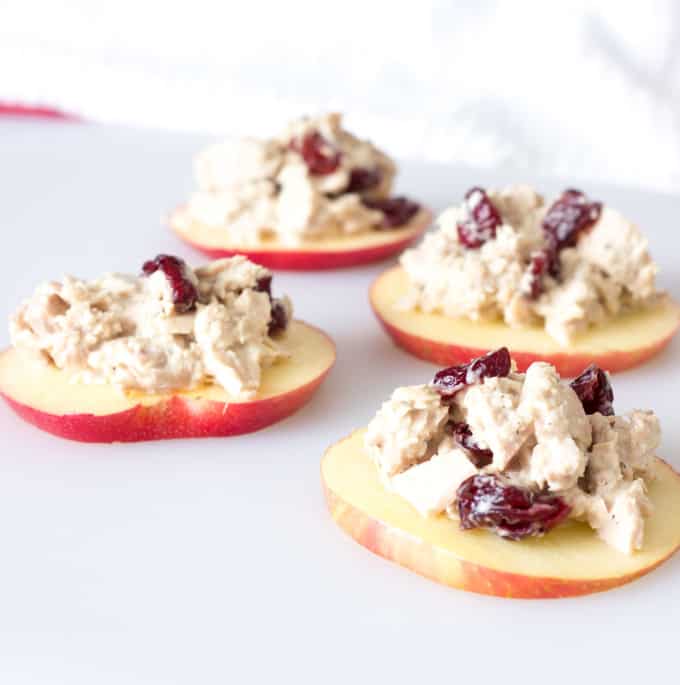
column 570, row 560
column 621, row 343
column 329, row 253
column 45, row 397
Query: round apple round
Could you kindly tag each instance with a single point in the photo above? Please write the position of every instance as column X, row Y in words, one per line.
column 571, row 560
column 326, row 253
column 44, row 396
column 621, row 343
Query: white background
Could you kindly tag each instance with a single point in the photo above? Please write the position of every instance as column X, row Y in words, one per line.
column 581, row 88
column 202, row 562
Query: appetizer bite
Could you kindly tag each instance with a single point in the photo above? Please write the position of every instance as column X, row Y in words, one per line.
column 568, row 281
column 174, row 352
column 316, row 197
column 510, row 484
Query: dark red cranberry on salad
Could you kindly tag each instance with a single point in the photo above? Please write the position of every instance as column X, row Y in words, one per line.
column 542, row 262
column 482, row 222
column 362, row 180
column 397, row 211
column 595, row 391
column 453, row 379
column 319, row 154
column 264, row 285
column 489, row 501
column 279, row 318
column 568, row 216
column 478, row 456
column 184, row 293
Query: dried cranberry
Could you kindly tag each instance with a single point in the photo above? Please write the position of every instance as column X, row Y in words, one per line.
column 397, row 211
column 451, row 380
column 482, row 222
column 479, row 456
column 279, row 317
column 184, row 293
column 264, row 285
column 572, row 213
column 486, row 501
column 361, row 179
column 542, row 262
column 595, row 391
column 320, row 156
column 562, row 224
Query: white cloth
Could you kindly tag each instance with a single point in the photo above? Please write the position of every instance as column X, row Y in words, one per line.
column 577, row 89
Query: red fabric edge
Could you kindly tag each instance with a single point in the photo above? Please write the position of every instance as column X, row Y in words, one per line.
column 15, row 109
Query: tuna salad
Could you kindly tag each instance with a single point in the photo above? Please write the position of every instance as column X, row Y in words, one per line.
column 517, row 453
column 566, row 265
column 170, row 328
column 314, row 181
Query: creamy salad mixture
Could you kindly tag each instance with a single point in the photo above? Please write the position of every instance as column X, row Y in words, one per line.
column 315, row 180
column 171, row 328
column 507, row 254
column 517, row 453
